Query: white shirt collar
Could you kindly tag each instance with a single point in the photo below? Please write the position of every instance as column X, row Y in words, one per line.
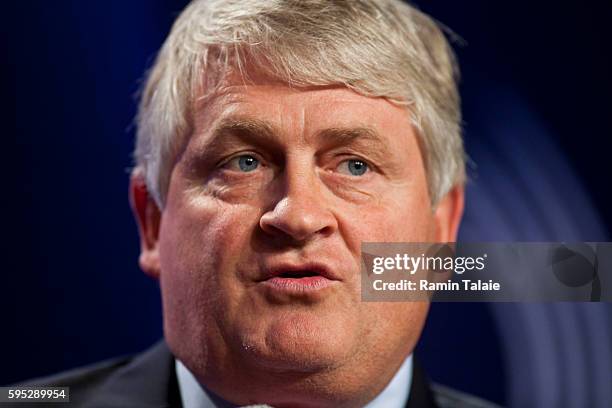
column 395, row 394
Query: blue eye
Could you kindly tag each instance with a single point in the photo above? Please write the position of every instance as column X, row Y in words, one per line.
column 245, row 163
column 354, row 167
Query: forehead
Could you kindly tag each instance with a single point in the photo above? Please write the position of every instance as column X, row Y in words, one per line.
column 304, row 109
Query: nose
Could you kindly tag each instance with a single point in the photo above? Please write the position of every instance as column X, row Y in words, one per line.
column 302, row 213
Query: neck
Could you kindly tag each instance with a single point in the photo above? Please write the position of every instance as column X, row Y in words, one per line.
column 298, row 391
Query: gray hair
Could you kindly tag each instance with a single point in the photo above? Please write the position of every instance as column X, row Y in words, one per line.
column 378, row 48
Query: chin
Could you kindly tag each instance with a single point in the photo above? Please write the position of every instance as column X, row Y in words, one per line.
column 299, row 343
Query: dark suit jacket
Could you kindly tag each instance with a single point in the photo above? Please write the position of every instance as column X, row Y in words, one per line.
column 148, row 380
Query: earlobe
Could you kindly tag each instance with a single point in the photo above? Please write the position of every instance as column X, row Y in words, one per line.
column 148, row 217
column 448, row 214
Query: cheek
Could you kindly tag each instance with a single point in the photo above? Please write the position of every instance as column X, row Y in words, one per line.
column 185, row 288
column 410, row 218
column 396, row 218
column 199, row 241
column 403, row 321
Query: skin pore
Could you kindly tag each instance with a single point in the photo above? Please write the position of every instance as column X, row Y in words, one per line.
column 278, row 177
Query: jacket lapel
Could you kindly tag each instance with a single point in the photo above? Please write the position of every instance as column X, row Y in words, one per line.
column 421, row 395
column 148, row 381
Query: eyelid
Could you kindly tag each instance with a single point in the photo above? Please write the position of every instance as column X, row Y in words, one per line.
column 346, row 172
column 233, row 156
column 352, row 156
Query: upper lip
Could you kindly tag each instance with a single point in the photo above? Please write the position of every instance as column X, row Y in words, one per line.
column 298, row 269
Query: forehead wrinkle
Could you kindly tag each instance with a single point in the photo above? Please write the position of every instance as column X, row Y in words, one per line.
column 227, row 106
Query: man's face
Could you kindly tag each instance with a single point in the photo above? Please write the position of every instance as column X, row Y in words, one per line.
column 259, row 241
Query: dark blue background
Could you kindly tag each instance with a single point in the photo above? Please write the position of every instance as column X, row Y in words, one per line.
column 71, row 290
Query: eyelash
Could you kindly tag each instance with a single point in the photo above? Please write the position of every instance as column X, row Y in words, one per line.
column 367, row 165
column 262, row 163
column 223, row 163
column 343, row 157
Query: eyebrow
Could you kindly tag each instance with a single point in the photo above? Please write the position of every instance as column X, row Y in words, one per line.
column 255, row 130
column 261, row 133
column 241, row 130
column 345, row 136
column 365, row 137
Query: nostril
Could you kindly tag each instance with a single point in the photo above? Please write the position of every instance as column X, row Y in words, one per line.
column 301, row 220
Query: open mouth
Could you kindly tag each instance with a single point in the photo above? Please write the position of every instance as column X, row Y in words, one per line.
column 298, row 274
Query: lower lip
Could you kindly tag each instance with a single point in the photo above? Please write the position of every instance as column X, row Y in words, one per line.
column 298, row 285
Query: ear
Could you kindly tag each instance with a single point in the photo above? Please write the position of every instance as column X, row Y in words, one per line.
column 448, row 214
column 148, row 218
